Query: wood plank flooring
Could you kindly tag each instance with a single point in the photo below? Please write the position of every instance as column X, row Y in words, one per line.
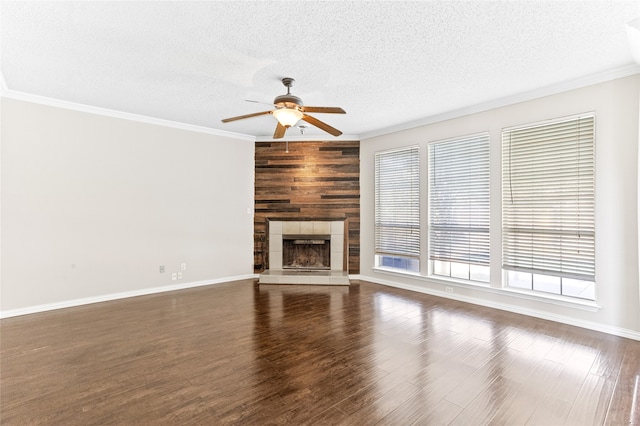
column 238, row 353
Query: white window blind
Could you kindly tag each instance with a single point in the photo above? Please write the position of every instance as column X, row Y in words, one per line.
column 459, row 200
column 548, row 198
column 397, row 202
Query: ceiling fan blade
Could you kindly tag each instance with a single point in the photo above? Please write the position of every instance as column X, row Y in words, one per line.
column 321, row 125
column 326, row 110
column 258, row 102
column 240, row 117
column 280, row 129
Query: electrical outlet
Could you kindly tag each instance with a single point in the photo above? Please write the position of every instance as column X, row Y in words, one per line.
column 162, row 269
column 179, row 275
column 448, row 289
column 183, row 266
column 174, row 276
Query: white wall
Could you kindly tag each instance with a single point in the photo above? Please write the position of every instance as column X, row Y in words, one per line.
column 93, row 205
column 615, row 104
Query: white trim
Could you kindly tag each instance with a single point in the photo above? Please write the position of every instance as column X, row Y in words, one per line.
column 307, row 138
column 3, row 84
column 115, row 296
column 399, row 149
column 567, row 302
column 616, row 331
column 553, row 89
column 550, row 121
column 460, row 138
column 590, row 325
column 577, row 83
column 42, row 100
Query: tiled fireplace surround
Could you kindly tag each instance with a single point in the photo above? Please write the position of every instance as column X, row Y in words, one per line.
column 337, row 275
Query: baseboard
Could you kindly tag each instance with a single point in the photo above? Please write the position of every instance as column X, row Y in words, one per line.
column 590, row 325
column 115, row 296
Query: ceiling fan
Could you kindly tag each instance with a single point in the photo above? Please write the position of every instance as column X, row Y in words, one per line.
column 290, row 109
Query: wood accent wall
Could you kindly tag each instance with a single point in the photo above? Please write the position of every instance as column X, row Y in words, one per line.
column 315, row 180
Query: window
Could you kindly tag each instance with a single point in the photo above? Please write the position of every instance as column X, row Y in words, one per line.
column 397, row 209
column 548, row 207
column 459, row 208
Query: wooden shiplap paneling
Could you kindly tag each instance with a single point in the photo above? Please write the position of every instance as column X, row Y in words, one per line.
column 315, row 180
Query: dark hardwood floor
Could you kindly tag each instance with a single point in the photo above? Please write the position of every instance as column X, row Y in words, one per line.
column 238, row 353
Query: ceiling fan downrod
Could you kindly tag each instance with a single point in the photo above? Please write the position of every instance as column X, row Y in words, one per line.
column 288, row 83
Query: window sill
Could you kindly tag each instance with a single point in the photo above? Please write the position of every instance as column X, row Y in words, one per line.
column 551, row 299
column 587, row 305
column 398, row 272
column 458, row 281
column 436, row 278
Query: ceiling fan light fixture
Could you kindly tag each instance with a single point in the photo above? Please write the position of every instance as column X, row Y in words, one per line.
column 287, row 117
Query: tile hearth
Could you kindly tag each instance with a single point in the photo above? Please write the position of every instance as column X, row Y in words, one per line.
column 305, row 277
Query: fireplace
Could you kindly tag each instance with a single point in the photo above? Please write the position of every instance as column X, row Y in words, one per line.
column 307, row 252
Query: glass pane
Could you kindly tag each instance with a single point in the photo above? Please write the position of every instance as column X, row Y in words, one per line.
column 413, row 265
column 519, row 279
column 546, row 283
column 399, row 263
column 387, row 261
column 460, row 270
column 441, row 268
column 479, row 273
column 579, row 288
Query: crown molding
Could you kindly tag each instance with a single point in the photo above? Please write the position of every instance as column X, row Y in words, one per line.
column 621, row 72
column 42, row 100
column 308, row 138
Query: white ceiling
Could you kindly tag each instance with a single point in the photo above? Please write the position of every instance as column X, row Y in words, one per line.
column 385, row 63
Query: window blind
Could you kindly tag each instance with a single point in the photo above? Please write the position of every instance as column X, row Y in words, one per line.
column 397, row 202
column 548, row 198
column 459, row 200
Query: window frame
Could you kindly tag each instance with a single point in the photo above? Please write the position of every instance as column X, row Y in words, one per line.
column 479, row 225
column 405, row 257
column 547, row 243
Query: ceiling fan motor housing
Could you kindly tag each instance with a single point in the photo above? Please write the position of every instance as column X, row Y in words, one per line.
column 288, row 101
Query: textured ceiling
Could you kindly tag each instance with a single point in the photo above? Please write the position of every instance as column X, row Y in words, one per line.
column 385, row 63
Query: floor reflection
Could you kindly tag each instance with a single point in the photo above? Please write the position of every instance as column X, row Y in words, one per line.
column 303, row 341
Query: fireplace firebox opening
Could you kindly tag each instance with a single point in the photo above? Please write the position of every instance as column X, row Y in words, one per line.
column 306, row 252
